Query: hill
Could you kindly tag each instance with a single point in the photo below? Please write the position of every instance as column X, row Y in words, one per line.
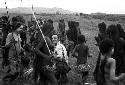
column 38, row 10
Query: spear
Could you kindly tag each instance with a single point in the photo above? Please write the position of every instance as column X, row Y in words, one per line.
column 7, row 9
column 40, row 30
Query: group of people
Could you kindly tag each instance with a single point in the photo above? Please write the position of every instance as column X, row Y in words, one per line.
column 110, row 66
column 25, row 47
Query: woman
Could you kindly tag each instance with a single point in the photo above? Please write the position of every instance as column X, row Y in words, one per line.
column 108, row 64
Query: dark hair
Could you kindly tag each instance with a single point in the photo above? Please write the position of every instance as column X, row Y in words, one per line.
column 106, row 45
column 77, row 23
column 51, row 21
column 102, row 26
column 14, row 19
column 120, row 28
column 81, row 38
column 112, row 31
column 5, row 18
column 17, row 25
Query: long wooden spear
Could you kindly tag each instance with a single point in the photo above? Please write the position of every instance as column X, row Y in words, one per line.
column 40, row 30
column 7, row 10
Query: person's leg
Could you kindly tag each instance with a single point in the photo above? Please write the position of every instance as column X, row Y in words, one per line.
column 35, row 71
column 8, row 76
column 57, row 75
column 43, row 79
column 84, row 76
column 65, row 78
column 51, row 77
column 14, row 76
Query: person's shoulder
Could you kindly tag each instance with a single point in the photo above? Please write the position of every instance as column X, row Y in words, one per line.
column 47, row 38
column 10, row 34
column 62, row 45
column 122, row 40
column 111, row 60
column 83, row 45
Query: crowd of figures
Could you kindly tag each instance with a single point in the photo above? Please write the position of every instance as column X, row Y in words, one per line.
column 110, row 67
column 39, row 53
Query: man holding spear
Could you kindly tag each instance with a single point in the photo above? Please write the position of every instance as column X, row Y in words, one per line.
column 43, row 55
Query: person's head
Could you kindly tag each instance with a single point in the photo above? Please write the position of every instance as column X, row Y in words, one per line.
column 14, row 20
column 5, row 18
column 17, row 27
column 76, row 24
column 48, row 26
column 102, row 27
column 113, row 32
column 81, row 39
column 120, row 28
column 55, row 39
column 50, row 21
column 106, row 47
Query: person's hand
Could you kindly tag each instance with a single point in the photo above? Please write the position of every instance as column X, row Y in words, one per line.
column 122, row 75
column 22, row 49
column 53, row 59
column 58, row 58
column 32, row 49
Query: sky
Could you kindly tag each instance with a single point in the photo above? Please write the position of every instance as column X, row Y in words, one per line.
column 84, row 6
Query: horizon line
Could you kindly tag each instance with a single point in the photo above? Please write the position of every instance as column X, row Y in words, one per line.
column 68, row 10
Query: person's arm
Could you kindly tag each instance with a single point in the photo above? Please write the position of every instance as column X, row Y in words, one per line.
column 74, row 53
column 123, row 44
column 49, row 42
column 37, row 49
column 112, row 70
column 58, row 30
column 88, row 53
column 9, row 40
column 65, row 53
column 49, row 29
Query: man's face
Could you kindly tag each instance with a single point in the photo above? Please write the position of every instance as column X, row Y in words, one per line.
column 20, row 29
column 54, row 39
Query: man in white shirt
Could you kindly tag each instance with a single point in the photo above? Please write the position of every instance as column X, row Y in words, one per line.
column 60, row 50
column 61, row 53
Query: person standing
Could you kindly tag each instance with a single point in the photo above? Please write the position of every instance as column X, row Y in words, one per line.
column 61, row 29
column 61, row 54
column 43, row 59
column 107, row 65
column 13, row 42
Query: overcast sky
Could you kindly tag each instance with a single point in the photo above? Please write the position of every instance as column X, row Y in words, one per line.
column 85, row 6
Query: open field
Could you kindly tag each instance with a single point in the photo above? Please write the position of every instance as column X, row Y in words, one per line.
column 89, row 28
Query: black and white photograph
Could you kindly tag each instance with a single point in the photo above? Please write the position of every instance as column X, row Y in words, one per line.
column 62, row 42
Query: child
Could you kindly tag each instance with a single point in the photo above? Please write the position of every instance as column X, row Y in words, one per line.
column 81, row 52
column 107, row 64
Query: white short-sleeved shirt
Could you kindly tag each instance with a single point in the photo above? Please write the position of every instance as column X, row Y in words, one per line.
column 60, row 51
